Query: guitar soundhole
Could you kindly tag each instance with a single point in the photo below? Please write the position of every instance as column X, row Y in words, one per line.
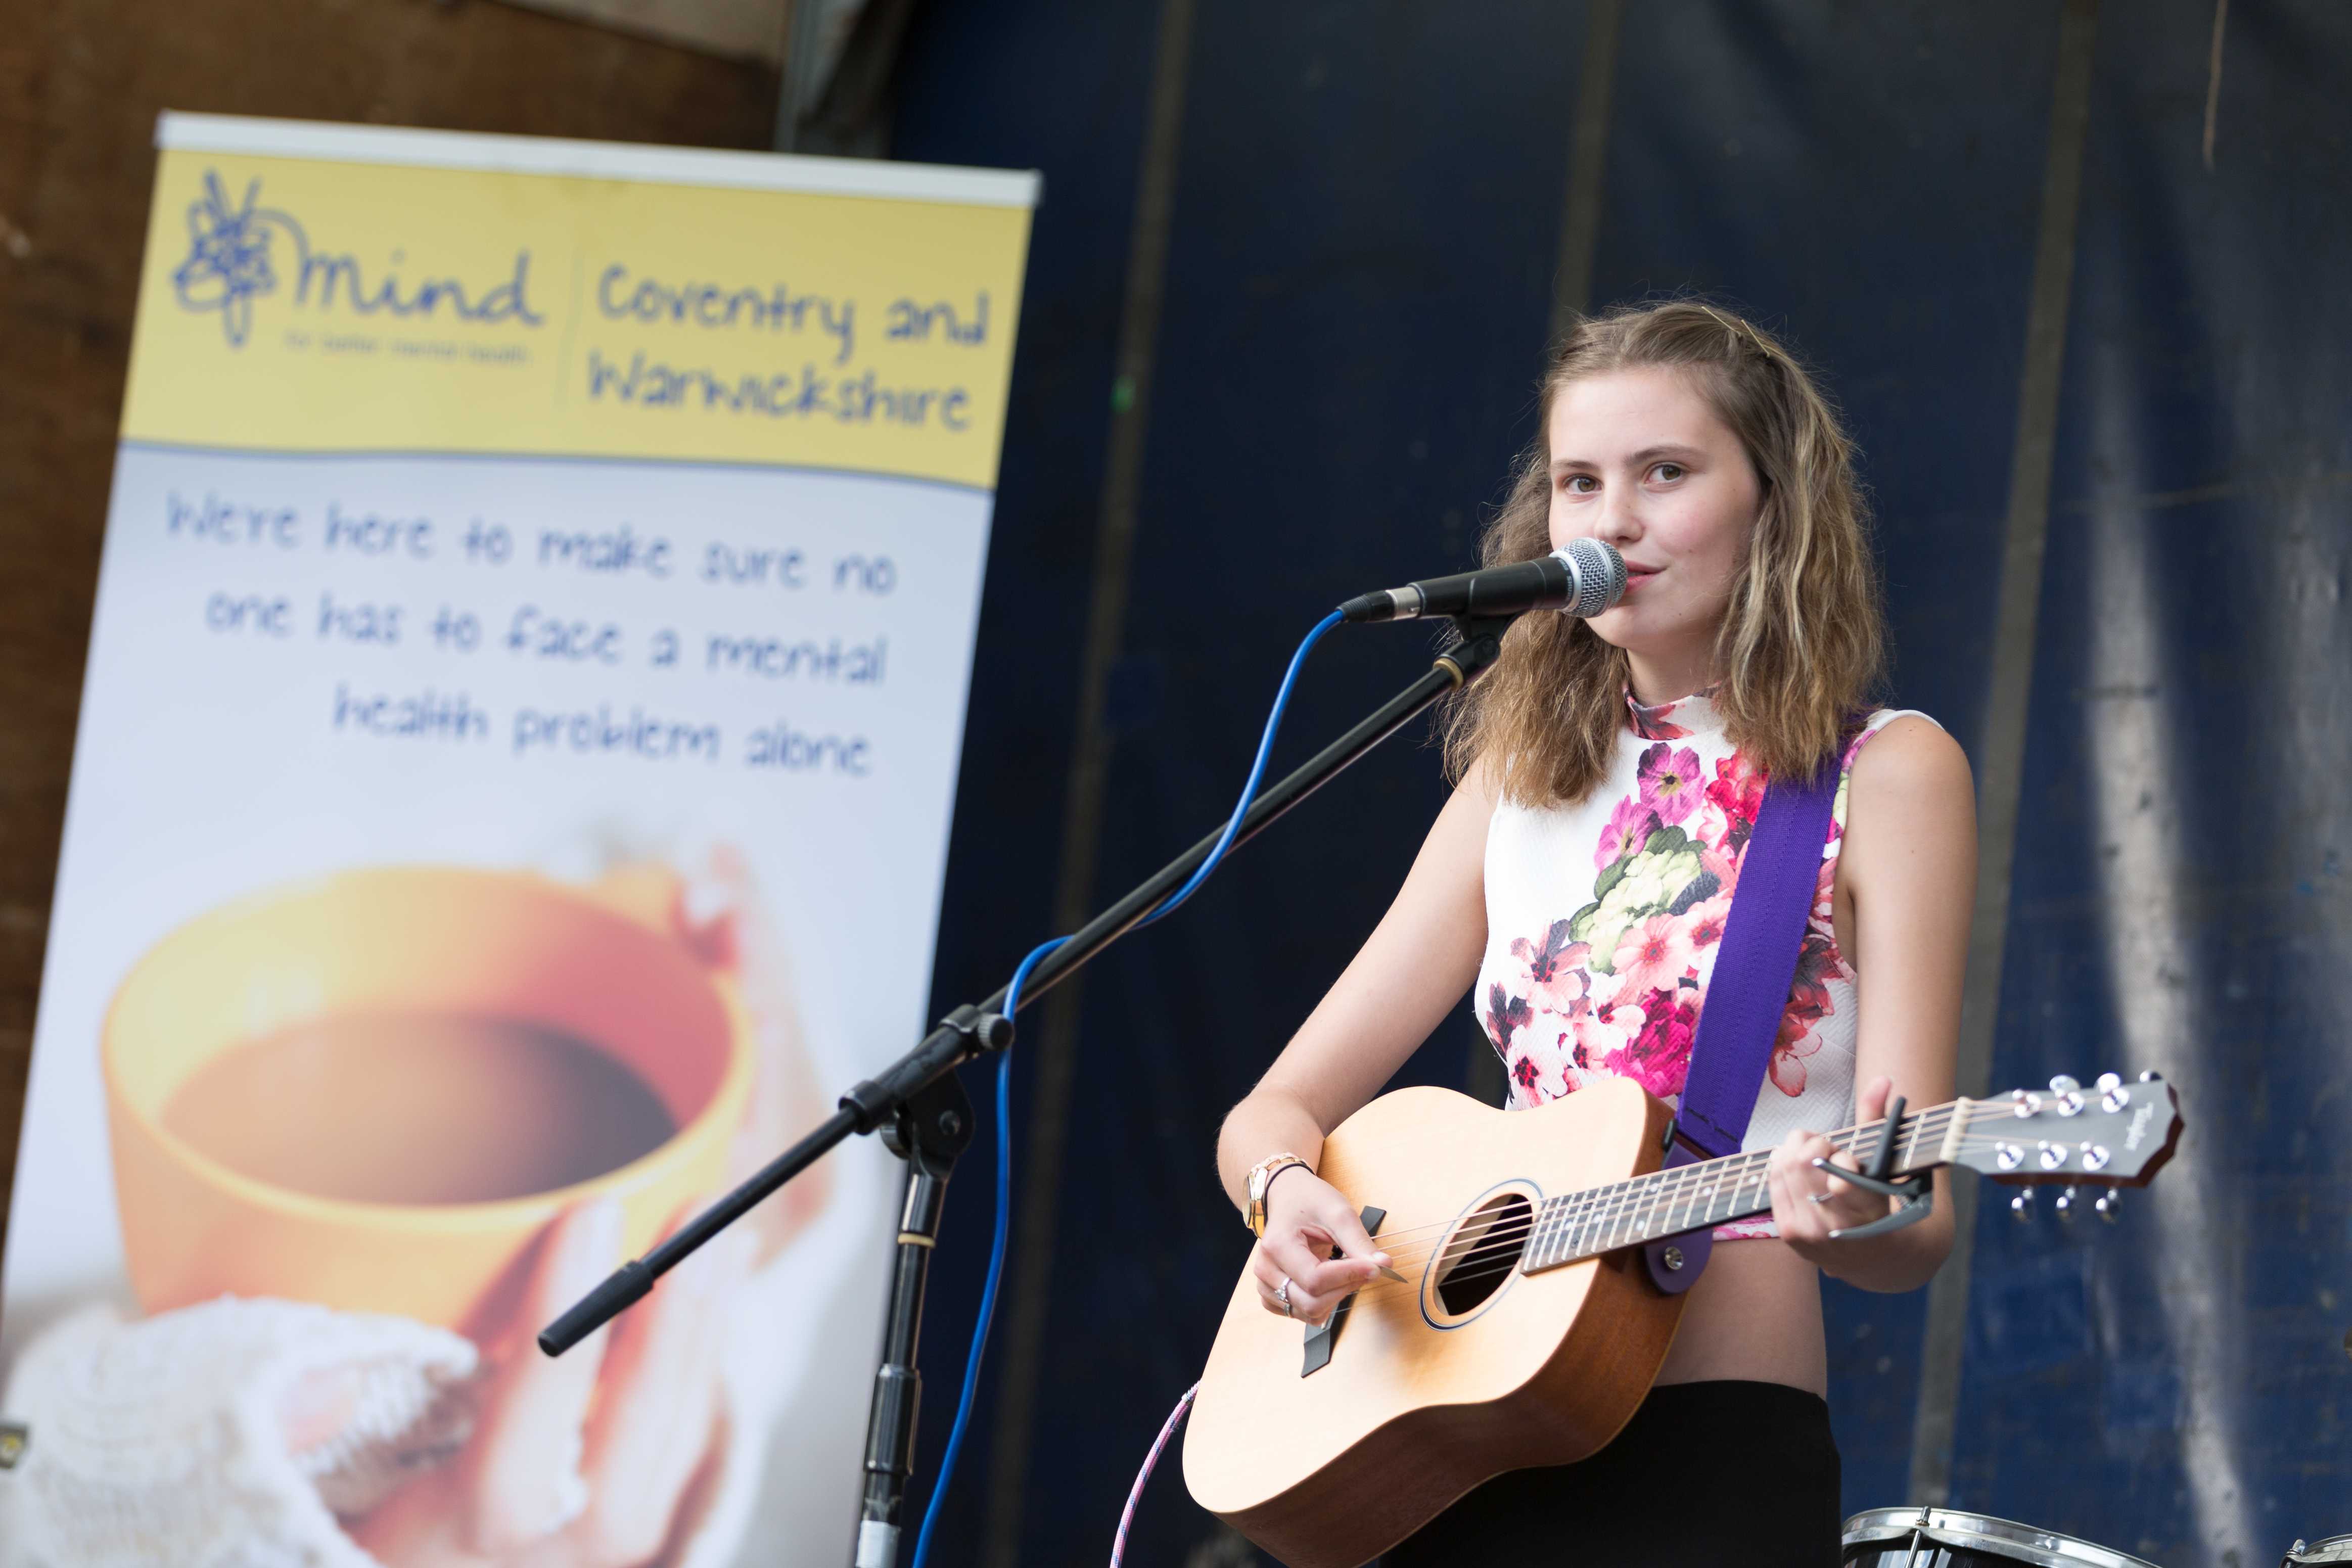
column 1483, row 1253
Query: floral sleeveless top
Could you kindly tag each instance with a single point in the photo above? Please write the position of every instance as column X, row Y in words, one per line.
column 1603, row 919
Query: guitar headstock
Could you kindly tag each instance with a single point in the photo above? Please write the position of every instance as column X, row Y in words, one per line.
column 2109, row 1134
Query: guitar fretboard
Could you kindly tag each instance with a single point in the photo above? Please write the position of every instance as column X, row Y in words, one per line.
column 1573, row 1227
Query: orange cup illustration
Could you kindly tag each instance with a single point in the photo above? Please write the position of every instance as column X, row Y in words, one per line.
column 374, row 1090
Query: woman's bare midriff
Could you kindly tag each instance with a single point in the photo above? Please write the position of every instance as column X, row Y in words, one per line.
column 1755, row 1316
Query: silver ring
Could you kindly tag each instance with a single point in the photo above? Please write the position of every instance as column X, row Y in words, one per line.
column 1282, row 1295
column 1820, row 1197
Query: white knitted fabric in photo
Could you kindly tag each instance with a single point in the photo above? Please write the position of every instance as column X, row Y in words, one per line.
column 162, row 1441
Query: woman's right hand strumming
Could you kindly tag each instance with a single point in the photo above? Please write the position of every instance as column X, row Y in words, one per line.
column 1306, row 1217
column 1417, row 964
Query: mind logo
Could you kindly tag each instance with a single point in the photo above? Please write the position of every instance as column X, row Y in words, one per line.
column 229, row 266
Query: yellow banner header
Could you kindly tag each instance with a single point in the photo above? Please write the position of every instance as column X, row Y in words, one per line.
column 358, row 303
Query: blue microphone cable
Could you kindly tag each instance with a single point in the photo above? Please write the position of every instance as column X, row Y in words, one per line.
column 1004, row 1091
column 1257, row 772
column 995, row 1256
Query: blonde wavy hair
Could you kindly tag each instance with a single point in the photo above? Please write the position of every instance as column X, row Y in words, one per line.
column 1799, row 650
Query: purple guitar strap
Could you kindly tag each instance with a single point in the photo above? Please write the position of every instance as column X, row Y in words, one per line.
column 1746, row 996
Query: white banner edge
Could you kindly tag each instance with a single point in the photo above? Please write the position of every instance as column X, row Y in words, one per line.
column 328, row 142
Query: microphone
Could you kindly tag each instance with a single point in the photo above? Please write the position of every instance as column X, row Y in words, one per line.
column 1583, row 579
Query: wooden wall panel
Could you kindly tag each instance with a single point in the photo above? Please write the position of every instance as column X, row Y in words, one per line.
column 80, row 84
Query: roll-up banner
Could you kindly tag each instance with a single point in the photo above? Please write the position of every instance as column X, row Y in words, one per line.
column 510, row 800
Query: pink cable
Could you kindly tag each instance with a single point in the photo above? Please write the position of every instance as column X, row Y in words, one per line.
column 1143, row 1476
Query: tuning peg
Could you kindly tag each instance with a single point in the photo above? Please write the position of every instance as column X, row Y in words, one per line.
column 2065, row 1203
column 2107, row 1081
column 2062, row 1084
column 2095, row 1156
column 2106, row 1205
column 2151, row 1076
column 2021, row 1204
column 2069, row 1104
column 2024, row 1104
column 2112, row 1096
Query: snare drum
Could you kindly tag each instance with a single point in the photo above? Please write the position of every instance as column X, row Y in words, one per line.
column 1948, row 1538
column 2335, row 1549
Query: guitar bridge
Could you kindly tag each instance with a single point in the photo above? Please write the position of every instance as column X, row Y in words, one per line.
column 1320, row 1336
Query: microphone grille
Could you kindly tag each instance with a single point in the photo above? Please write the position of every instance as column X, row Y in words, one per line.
column 1599, row 572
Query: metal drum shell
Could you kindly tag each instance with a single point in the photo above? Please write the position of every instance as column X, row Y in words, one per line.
column 1879, row 1530
column 2333, row 1549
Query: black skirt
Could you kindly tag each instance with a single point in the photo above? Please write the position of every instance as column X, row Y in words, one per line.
column 1706, row 1475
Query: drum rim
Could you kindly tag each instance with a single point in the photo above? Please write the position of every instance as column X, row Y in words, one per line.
column 1980, row 1531
column 2324, row 1544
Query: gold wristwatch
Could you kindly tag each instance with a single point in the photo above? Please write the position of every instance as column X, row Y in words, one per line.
column 1260, row 1177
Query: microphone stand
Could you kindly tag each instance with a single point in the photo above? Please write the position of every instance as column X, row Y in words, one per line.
column 918, row 1106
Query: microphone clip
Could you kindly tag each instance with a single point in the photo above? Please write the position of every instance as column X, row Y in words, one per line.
column 1479, row 643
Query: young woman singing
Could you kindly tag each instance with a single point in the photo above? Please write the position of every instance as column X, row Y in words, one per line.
column 1746, row 649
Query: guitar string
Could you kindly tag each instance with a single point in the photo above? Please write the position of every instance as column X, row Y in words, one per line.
column 1505, row 1266
column 1916, row 1129
column 1653, row 1222
column 1651, row 1218
column 1680, row 1186
column 1842, row 1141
column 1653, row 1200
column 1647, row 1224
column 1499, row 1235
column 1502, row 1234
column 1686, row 1187
column 1693, row 1191
column 1382, row 1290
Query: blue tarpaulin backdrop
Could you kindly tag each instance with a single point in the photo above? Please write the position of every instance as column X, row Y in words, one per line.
column 1366, row 223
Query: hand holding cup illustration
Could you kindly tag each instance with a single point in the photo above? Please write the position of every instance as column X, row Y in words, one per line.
column 443, row 1102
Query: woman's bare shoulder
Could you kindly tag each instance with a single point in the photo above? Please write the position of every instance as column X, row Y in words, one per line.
column 1912, row 756
column 1481, row 785
column 1911, row 793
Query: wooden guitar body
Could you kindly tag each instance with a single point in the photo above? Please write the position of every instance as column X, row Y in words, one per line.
column 1420, row 1403
column 1525, row 1330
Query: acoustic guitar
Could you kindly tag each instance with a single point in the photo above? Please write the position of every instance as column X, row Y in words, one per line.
column 1525, row 1329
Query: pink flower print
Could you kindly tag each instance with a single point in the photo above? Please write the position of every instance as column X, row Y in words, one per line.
column 1703, row 924
column 1809, row 1004
column 1600, row 1035
column 1629, row 826
column 1505, row 1016
column 1654, row 955
column 1853, row 749
column 1736, row 794
column 1555, row 969
column 1809, row 990
column 1788, row 1069
column 1658, row 1058
column 1670, row 781
column 1723, row 867
column 1824, row 913
column 1525, row 1074
column 1653, row 723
